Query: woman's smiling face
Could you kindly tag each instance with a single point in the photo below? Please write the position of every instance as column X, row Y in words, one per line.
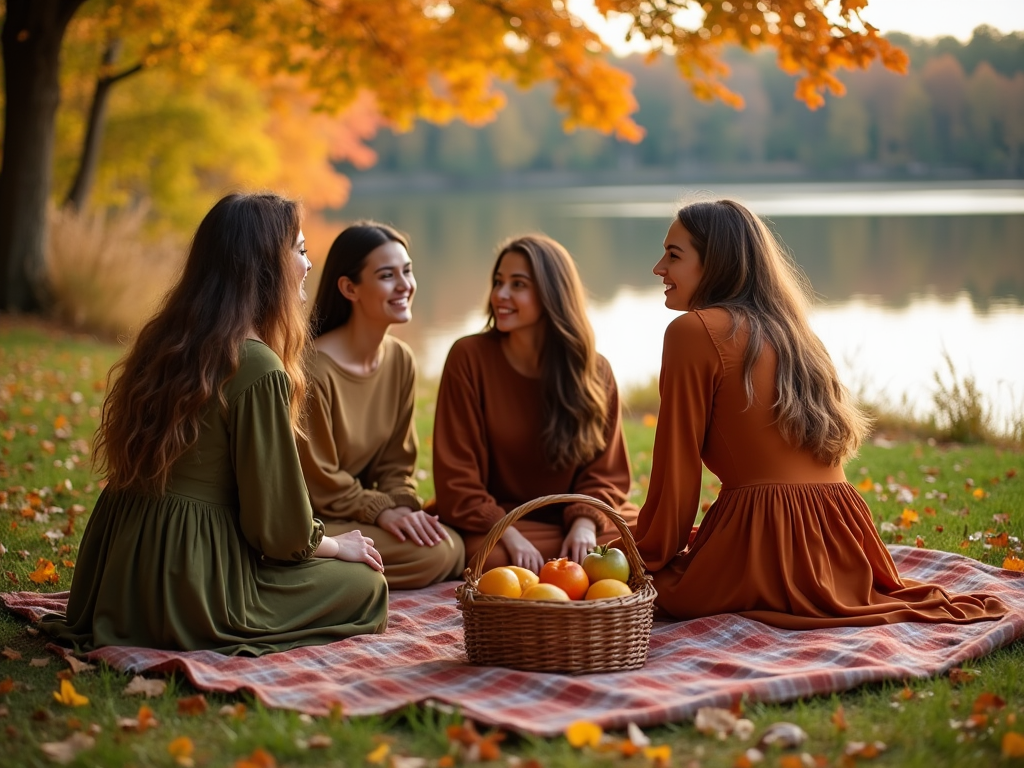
column 514, row 299
column 386, row 285
column 680, row 269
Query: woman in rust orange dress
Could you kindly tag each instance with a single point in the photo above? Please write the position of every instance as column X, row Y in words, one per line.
column 529, row 408
column 748, row 389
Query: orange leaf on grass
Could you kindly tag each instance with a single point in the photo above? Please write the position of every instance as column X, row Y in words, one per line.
column 1013, row 744
column 839, row 719
column 960, row 676
column 1000, row 541
column 259, row 758
column 446, row 761
column 1013, row 563
column 866, row 484
column 986, row 702
column 181, row 750
column 44, row 572
column 489, row 749
column 6, row 685
column 791, row 761
column 192, row 705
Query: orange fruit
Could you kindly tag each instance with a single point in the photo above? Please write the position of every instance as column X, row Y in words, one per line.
column 608, row 588
column 500, row 581
column 527, row 578
column 567, row 575
column 545, row 592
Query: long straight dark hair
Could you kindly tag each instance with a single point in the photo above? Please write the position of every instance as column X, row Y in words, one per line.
column 239, row 276
column 748, row 272
column 575, row 393
column 347, row 257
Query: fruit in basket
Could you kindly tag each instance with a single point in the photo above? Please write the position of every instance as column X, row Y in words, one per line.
column 606, row 563
column 608, row 588
column 545, row 592
column 527, row 578
column 500, row 581
column 567, row 575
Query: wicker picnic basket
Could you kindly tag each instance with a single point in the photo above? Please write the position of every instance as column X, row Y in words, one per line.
column 574, row 637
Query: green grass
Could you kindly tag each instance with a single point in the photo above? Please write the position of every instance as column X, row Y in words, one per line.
column 45, row 430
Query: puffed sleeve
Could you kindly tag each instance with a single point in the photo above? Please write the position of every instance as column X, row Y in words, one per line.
column 607, row 477
column 460, row 448
column 335, row 493
column 691, row 370
column 274, row 509
column 394, row 470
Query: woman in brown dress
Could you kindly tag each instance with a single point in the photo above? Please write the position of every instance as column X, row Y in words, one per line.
column 748, row 389
column 203, row 537
column 529, row 408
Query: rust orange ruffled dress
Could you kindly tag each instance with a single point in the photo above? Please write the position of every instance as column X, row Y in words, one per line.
column 788, row 542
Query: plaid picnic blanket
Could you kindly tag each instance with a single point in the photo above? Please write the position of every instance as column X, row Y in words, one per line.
column 705, row 662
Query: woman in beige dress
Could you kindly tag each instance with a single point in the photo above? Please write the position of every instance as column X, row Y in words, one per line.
column 359, row 453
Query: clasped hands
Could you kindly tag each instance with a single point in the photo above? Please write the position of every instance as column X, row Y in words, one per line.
column 578, row 542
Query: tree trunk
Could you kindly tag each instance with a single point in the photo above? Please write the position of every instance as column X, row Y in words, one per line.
column 31, row 38
column 92, row 146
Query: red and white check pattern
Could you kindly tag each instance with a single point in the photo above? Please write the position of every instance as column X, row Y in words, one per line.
column 707, row 662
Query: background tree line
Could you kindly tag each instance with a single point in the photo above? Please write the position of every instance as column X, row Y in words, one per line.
column 959, row 111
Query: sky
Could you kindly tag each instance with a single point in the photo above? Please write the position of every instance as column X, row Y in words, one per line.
column 920, row 18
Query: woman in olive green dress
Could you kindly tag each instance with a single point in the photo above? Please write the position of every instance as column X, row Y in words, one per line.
column 203, row 537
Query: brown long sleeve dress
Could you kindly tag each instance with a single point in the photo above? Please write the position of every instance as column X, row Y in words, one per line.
column 788, row 542
column 358, row 460
column 489, row 456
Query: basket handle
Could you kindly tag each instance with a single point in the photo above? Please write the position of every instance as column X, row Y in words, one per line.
column 637, row 568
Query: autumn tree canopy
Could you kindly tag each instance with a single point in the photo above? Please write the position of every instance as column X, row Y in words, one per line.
column 412, row 59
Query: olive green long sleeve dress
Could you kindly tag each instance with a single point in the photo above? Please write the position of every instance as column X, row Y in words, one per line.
column 223, row 560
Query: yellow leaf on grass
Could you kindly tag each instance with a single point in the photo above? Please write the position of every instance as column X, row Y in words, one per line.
column 1013, row 563
column 68, row 696
column 660, row 755
column 44, row 572
column 865, row 485
column 583, row 733
column 181, row 750
column 1013, row 744
column 979, row 493
column 379, row 754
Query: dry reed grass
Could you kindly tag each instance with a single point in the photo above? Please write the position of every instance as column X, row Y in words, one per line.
column 107, row 277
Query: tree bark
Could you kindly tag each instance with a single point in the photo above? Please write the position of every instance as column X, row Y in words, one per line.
column 92, row 145
column 32, row 35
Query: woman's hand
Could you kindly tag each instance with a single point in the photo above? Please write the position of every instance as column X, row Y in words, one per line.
column 580, row 540
column 520, row 551
column 401, row 522
column 352, row 547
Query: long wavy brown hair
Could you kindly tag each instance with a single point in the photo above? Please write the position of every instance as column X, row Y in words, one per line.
column 575, row 394
column 749, row 273
column 239, row 277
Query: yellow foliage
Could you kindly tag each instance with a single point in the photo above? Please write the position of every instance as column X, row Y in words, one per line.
column 583, row 733
column 68, row 696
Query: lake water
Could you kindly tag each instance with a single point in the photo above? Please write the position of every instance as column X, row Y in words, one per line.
column 903, row 273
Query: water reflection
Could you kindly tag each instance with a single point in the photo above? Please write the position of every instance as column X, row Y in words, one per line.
column 896, row 289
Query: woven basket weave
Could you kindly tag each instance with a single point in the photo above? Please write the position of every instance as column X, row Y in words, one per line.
column 574, row 637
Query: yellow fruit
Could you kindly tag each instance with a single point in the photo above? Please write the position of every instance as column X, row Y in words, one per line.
column 545, row 592
column 608, row 588
column 527, row 578
column 500, row 581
